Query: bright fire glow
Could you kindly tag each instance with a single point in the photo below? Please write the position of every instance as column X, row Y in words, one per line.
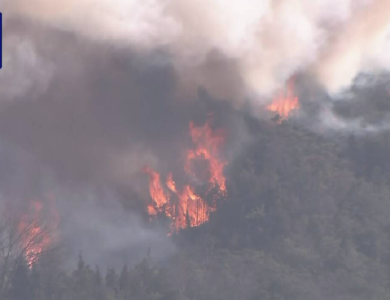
column 184, row 206
column 159, row 197
column 171, row 184
column 284, row 103
column 36, row 235
column 207, row 144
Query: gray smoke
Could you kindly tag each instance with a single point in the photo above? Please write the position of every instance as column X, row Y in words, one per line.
column 268, row 40
column 92, row 91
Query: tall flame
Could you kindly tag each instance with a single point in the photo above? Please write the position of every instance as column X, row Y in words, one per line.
column 36, row 235
column 171, row 184
column 284, row 103
column 185, row 207
column 159, row 197
column 207, row 144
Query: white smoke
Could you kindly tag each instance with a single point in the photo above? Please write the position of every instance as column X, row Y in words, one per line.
column 331, row 122
column 23, row 69
column 270, row 40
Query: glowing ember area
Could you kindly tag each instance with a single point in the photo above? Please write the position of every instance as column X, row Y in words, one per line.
column 184, row 206
column 284, row 103
column 207, row 144
column 171, row 184
column 160, row 198
column 36, row 234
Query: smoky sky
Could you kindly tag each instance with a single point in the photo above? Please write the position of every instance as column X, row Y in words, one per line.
column 269, row 41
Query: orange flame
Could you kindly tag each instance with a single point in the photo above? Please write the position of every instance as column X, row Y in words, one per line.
column 159, row 197
column 207, row 144
column 192, row 209
column 284, row 103
column 35, row 234
column 171, row 184
column 187, row 207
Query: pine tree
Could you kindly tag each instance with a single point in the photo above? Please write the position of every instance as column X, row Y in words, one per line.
column 124, row 283
column 99, row 291
column 112, row 281
column 80, row 263
column 97, row 277
column 82, row 280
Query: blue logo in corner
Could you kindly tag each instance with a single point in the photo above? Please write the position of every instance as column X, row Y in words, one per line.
column 1, row 40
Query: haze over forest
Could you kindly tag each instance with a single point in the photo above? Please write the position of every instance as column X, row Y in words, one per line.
column 195, row 150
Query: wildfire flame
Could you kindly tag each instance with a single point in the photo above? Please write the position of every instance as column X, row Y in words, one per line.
column 207, row 144
column 284, row 103
column 36, row 235
column 171, row 184
column 160, row 198
column 185, row 207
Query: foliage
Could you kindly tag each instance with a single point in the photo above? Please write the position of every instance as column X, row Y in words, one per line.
column 307, row 217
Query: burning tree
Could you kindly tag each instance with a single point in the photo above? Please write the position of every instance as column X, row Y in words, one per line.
column 284, row 103
column 24, row 238
column 184, row 205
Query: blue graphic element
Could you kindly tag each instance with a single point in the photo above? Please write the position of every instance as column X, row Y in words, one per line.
column 1, row 40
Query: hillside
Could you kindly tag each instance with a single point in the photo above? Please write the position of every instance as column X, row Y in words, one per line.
column 302, row 220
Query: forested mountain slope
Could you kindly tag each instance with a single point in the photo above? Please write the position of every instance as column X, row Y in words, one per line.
column 306, row 217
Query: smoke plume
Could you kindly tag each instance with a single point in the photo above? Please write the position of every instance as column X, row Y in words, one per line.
column 91, row 92
column 333, row 40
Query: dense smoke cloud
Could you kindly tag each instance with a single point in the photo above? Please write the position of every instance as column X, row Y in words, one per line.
column 92, row 91
column 106, row 233
column 335, row 40
column 360, row 110
column 80, row 120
